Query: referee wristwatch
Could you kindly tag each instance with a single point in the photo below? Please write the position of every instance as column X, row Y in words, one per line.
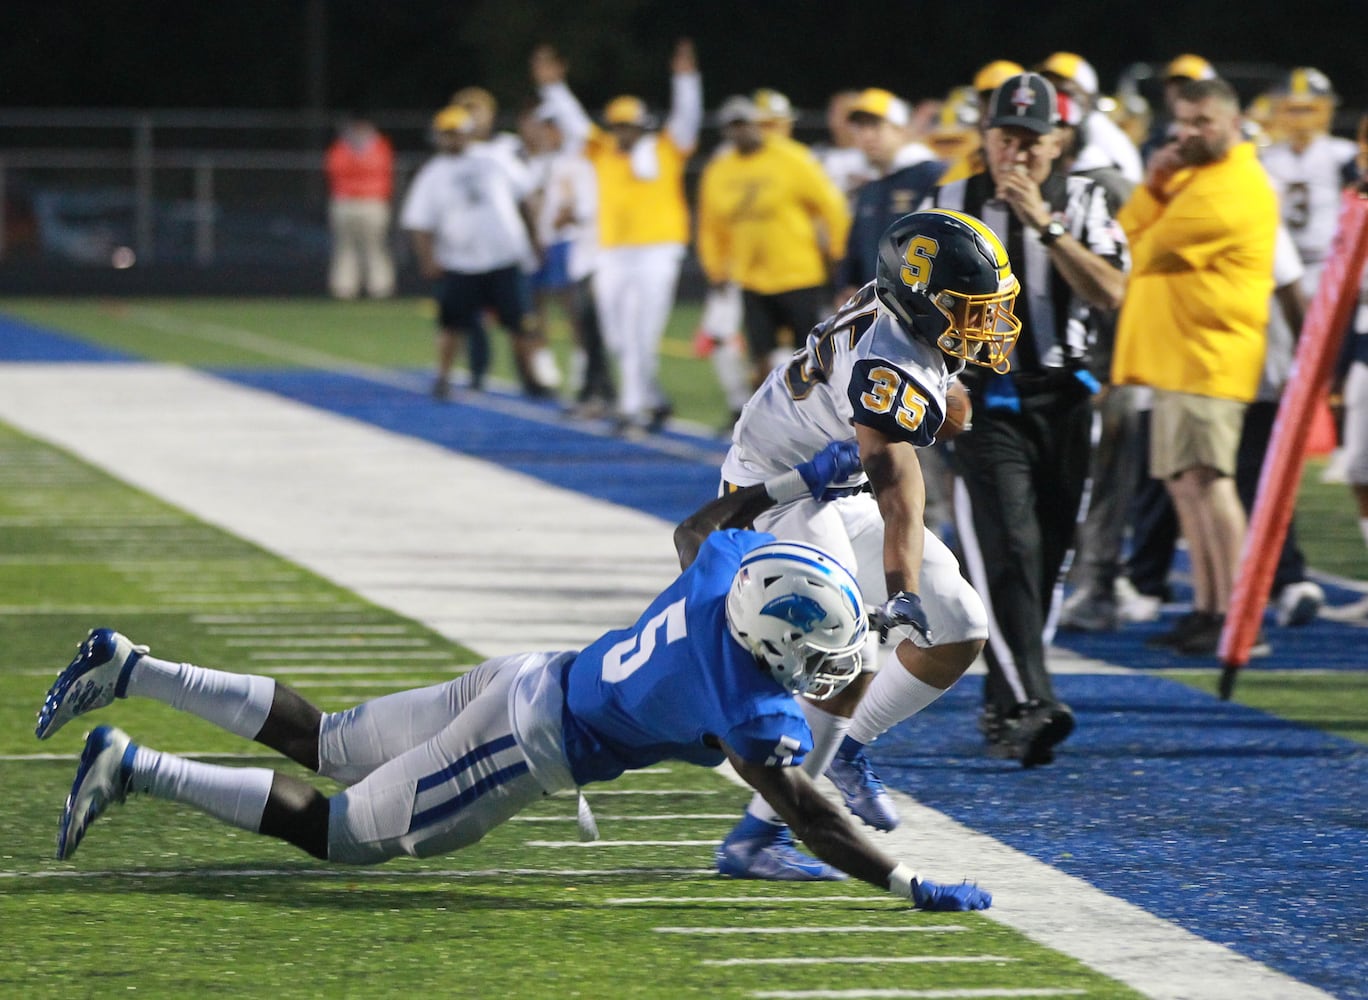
column 1052, row 232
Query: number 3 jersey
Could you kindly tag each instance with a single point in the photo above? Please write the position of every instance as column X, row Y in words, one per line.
column 859, row 366
column 654, row 691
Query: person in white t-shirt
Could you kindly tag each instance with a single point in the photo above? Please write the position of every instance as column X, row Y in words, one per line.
column 464, row 213
column 567, row 232
column 1309, row 167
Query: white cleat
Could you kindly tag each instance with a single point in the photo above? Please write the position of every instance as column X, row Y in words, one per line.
column 1299, row 603
column 97, row 676
column 101, row 779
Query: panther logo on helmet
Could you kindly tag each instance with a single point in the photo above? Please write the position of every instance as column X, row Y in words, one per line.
column 946, row 277
column 800, row 613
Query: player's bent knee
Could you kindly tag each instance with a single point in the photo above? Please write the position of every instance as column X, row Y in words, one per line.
column 298, row 813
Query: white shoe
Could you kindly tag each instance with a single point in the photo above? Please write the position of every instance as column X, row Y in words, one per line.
column 97, row 676
column 1299, row 603
column 1133, row 606
column 1354, row 614
column 101, row 779
column 1336, row 468
column 544, row 368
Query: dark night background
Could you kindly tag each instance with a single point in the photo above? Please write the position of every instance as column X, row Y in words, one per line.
column 411, row 54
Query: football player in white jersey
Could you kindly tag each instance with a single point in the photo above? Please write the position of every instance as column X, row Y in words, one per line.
column 1309, row 166
column 878, row 370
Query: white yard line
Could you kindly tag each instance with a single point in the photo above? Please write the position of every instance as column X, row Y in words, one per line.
column 824, row 929
column 393, row 502
column 396, row 873
column 861, row 960
column 759, row 900
column 931, row 994
column 597, row 844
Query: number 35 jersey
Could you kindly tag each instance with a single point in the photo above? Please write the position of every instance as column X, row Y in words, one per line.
column 859, row 366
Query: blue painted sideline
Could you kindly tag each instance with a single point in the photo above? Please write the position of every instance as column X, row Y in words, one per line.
column 1244, row 828
column 22, row 341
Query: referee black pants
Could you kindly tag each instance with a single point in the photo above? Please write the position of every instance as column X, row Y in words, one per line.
column 1020, row 482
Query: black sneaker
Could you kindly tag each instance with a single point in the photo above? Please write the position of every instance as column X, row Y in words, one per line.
column 997, row 726
column 1041, row 727
column 1186, row 626
column 1204, row 639
column 658, row 417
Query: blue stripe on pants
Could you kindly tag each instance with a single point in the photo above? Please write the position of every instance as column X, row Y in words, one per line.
column 465, row 798
column 453, row 770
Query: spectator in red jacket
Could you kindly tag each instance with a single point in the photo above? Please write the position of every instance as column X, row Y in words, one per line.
column 360, row 169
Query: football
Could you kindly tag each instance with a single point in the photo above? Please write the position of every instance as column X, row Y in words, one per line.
column 959, row 412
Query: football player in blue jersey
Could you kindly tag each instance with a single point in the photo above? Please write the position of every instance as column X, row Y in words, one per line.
column 711, row 671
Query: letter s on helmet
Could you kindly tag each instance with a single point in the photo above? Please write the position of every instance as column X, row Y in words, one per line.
column 800, row 613
column 946, row 276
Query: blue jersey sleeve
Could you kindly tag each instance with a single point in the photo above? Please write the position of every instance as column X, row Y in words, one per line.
column 777, row 740
column 892, row 402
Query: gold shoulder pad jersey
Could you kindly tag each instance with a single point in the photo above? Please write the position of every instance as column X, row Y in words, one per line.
column 858, row 367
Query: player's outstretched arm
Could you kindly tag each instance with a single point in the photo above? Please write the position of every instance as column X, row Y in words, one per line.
column 829, row 834
column 835, row 463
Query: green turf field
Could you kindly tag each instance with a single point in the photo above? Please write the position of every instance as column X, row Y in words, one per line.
column 161, row 901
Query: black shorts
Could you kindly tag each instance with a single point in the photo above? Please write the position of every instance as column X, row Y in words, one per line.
column 765, row 315
column 461, row 298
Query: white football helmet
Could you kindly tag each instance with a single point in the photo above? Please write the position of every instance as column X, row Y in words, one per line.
column 801, row 614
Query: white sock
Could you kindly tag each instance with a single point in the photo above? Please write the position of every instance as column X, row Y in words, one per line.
column 893, row 696
column 827, row 732
column 238, row 703
column 236, row 795
column 1363, row 527
column 733, row 373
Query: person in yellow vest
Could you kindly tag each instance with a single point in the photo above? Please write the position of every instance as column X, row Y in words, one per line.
column 643, row 219
column 770, row 220
column 1202, row 229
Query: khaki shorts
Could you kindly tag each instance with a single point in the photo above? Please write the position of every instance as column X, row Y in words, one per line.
column 1188, row 431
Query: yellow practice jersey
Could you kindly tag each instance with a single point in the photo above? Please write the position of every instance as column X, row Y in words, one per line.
column 1196, row 309
column 641, row 193
column 770, row 220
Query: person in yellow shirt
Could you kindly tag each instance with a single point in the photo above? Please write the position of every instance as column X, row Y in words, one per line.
column 771, row 221
column 643, row 219
column 1202, row 229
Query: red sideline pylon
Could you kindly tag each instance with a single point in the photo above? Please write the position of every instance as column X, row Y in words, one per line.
column 1326, row 321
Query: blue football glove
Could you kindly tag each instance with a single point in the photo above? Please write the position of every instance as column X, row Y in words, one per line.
column 903, row 608
column 835, row 463
column 949, row 898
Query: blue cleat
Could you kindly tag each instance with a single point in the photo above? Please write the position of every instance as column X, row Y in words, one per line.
column 97, row 676
column 101, row 779
column 949, row 898
column 864, row 793
column 760, row 850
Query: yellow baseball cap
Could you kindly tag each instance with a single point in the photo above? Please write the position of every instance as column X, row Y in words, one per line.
column 1189, row 67
column 1074, row 68
column 989, row 76
column 772, row 105
column 881, row 104
column 626, row 110
column 453, row 119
